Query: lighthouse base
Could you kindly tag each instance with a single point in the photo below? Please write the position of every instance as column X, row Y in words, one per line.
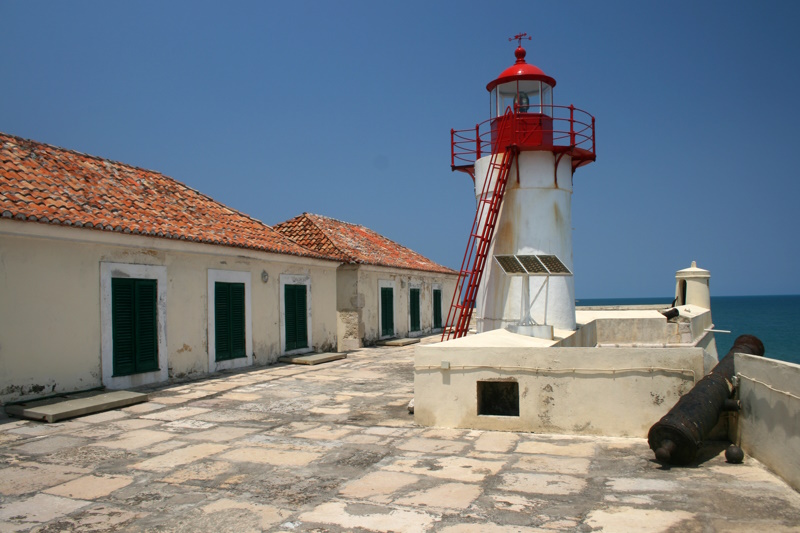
column 538, row 331
column 535, row 219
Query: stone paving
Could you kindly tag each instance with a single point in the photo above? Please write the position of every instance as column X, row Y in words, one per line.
column 332, row 448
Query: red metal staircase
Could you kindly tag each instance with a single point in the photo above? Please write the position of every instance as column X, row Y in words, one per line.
column 480, row 238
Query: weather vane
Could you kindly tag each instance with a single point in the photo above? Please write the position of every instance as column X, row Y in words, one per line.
column 519, row 37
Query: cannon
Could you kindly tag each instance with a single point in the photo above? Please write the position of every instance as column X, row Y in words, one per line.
column 677, row 437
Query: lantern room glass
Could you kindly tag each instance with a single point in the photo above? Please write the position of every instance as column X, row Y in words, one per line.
column 523, row 96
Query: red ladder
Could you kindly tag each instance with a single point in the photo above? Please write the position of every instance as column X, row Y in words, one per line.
column 480, row 239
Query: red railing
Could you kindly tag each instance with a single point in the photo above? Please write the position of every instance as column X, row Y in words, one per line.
column 568, row 129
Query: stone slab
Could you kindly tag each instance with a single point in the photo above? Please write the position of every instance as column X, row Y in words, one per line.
column 398, row 342
column 312, row 358
column 41, row 508
column 90, row 487
column 276, row 464
column 72, row 405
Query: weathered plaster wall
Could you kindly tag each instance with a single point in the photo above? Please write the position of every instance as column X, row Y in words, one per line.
column 595, row 391
column 347, row 296
column 768, row 426
column 535, row 219
column 584, row 336
column 632, row 330
column 349, row 307
column 369, row 280
column 50, row 317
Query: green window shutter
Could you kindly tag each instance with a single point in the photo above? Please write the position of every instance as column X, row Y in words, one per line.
column 229, row 321
column 134, row 325
column 146, row 325
column 237, row 316
column 437, row 308
column 222, row 327
column 302, row 318
column 387, row 311
column 123, row 326
column 295, row 317
column 290, row 317
column 413, row 304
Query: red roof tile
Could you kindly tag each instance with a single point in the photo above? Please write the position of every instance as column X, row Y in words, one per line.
column 352, row 243
column 44, row 183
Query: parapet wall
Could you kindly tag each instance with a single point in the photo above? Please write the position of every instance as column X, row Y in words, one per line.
column 768, row 426
column 591, row 391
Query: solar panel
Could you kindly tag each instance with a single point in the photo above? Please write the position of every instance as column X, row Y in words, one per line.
column 554, row 264
column 509, row 264
column 532, row 264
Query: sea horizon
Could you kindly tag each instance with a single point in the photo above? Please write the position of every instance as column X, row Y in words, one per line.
column 773, row 318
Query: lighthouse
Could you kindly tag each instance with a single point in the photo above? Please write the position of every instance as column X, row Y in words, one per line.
column 517, row 271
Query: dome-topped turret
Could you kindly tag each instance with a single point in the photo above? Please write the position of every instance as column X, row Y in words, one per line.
column 521, row 70
column 522, row 86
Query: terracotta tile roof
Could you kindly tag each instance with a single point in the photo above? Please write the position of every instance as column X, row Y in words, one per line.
column 352, row 243
column 44, row 183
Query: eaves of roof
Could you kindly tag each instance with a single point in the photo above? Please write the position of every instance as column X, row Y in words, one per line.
column 53, row 185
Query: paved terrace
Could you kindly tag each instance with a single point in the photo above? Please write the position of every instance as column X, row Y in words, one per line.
column 333, row 448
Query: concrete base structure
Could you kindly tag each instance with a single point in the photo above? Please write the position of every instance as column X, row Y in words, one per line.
column 73, row 405
column 768, row 426
column 619, row 372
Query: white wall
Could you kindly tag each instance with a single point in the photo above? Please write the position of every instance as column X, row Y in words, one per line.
column 369, row 281
column 592, row 391
column 768, row 426
column 51, row 312
column 358, row 301
column 535, row 218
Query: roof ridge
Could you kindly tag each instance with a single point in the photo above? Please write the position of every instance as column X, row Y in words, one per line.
column 120, row 163
column 333, row 218
column 298, row 243
column 332, row 242
column 373, row 232
column 381, row 235
column 76, row 152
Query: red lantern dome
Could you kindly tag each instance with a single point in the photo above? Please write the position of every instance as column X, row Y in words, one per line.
column 523, row 94
column 523, row 87
column 521, row 70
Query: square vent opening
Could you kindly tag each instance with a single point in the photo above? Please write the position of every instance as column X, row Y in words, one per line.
column 498, row 398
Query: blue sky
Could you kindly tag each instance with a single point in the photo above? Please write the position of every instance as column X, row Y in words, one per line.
column 344, row 109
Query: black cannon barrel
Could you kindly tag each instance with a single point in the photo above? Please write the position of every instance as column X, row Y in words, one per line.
column 670, row 313
column 678, row 435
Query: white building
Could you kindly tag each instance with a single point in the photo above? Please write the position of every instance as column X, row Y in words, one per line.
column 384, row 289
column 116, row 276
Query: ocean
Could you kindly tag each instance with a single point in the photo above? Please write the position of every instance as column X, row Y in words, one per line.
column 773, row 319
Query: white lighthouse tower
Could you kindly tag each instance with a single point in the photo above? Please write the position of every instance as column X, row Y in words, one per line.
column 517, row 269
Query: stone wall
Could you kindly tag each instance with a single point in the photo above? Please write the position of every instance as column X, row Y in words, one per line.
column 768, row 425
column 592, row 391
